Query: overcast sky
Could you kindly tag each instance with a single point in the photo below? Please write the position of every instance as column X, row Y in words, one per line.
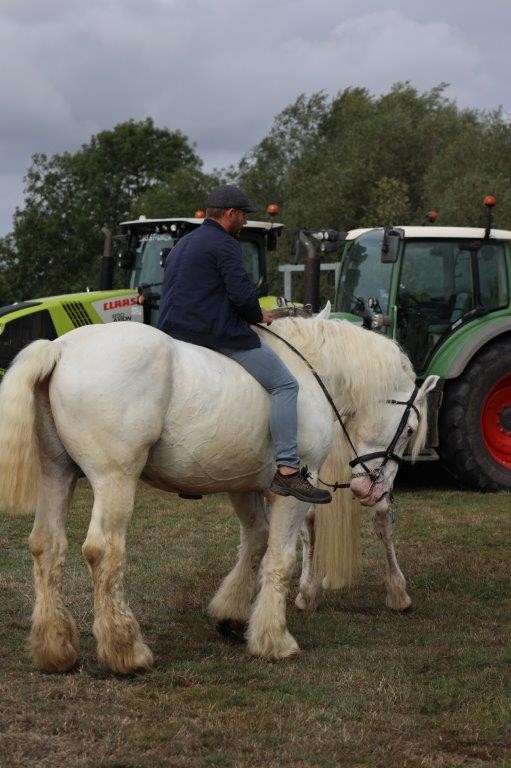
column 220, row 70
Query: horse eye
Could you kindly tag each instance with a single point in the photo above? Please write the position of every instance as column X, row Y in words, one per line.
column 410, row 431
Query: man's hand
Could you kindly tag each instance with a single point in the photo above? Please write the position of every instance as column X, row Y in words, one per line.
column 267, row 316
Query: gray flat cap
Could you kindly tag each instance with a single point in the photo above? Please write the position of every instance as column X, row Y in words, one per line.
column 229, row 196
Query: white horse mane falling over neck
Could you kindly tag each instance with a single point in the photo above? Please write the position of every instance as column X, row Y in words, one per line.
column 359, row 365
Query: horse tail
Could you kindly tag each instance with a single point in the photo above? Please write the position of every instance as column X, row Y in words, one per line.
column 20, row 467
column 336, row 558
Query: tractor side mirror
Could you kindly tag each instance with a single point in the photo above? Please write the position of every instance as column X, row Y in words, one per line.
column 390, row 245
column 126, row 259
column 163, row 256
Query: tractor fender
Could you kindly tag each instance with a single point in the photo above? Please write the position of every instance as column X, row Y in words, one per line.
column 480, row 338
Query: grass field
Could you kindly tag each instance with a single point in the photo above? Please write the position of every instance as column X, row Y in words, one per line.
column 370, row 688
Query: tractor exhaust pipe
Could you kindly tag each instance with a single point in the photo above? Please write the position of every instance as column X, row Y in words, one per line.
column 106, row 274
column 311, row 270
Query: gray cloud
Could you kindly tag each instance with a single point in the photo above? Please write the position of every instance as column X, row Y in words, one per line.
column 220, row 70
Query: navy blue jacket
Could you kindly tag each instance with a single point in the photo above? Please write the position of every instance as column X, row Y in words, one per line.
column 207, row 297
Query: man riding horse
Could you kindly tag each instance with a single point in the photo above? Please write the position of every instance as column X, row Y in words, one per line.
column 207, row 299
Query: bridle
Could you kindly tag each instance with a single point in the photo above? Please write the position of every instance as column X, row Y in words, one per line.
column 387, row 455
column 389, row 452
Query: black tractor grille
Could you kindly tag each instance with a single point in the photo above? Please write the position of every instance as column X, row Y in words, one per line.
column 21, row 331
column 76, row 313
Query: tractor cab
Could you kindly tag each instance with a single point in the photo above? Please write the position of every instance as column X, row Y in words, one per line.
column 431, row 282
column 147, row 244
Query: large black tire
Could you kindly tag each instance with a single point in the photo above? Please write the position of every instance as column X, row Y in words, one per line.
column 475, row 421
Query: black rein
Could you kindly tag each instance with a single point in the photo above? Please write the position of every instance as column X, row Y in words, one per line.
column 385, row 455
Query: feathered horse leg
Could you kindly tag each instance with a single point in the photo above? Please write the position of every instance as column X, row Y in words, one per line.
column 267, row 635
column 231, row 605
column 310, row 584
column 397, row 596
column 121, row 647
column 36, row 473
column 53, row 636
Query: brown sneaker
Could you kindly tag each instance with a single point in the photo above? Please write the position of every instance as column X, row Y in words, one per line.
column 298, row 485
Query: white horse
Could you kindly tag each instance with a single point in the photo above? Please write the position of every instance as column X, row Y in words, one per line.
column 123, row 401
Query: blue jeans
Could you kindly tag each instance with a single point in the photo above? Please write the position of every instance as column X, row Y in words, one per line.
column 269, row 370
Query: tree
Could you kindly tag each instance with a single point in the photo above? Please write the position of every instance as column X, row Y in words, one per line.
column 360, row 160
column 262, row 172
column 181, row 194
column 476, row 162
column 389, row 202
column 56, row 243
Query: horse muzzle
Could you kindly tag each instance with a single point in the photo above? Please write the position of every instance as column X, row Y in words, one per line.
column 369, row 492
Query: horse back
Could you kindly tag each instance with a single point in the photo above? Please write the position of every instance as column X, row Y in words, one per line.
column 129, row 396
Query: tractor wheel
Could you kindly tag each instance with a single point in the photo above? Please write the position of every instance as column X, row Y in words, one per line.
column 475, row 421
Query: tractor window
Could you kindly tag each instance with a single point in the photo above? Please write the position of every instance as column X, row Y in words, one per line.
column 251, row 260
column 437, row 287
column 147, row 265
column 435, row 290
column 493, row 282
column 363, row 275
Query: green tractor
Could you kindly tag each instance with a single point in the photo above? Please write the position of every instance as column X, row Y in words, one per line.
column 142, row 247
column 444, row 294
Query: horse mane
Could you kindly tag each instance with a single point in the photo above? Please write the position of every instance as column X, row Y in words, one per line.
column 370, row 365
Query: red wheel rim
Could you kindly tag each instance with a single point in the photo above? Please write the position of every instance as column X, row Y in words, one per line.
column 496, row 421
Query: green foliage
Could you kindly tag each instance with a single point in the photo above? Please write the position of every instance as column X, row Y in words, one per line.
column 56, row 243
column 388, row 201
column 264, row 171
column 180, row 194
column 475, row 163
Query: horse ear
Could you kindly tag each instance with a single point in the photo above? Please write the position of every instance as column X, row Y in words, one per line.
column 429, row 384
column 325, row 312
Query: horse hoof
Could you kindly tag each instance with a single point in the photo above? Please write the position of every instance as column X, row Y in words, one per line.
column 301, row 602
column 306, row 603
column 68, row 663
column 129, row 660
column 273, row 648
column 404, row 606
column 232, row 630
